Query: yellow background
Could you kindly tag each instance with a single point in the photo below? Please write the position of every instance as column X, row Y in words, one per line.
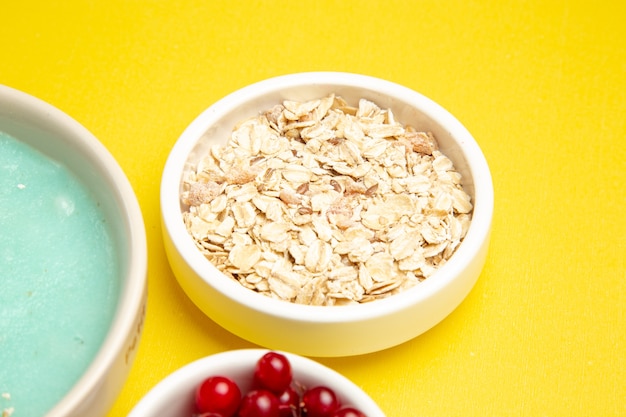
column 542, row 87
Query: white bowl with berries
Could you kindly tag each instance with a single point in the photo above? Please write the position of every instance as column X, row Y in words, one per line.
column 326, row 214
column 256, row 383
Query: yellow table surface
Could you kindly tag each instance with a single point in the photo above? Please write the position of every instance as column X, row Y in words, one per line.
column 542, row 87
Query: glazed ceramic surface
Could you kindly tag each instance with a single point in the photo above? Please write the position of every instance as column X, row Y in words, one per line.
column 62, row 139
column 314, row 330
column 174, row 395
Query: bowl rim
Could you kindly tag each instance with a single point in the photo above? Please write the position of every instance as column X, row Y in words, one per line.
column 131, row 302
column 478, row 231
column 198, row 369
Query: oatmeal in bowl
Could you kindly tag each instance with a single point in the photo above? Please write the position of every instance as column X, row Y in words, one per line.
column 322, row 203
column 308, row 211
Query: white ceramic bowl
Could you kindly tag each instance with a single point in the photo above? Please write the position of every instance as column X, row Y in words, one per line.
column 314, row 330
column 57, row 135
column 174, row 395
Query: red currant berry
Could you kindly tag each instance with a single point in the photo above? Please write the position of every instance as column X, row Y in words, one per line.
column 273, row 372
column 288, row 403
column 348, row 412
column 259, row 403
column 218, row 394
column 320, row 402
